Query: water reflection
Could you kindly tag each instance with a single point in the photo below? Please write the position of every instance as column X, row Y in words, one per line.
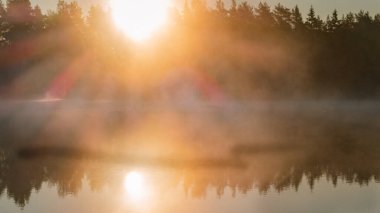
column 199, row 153
column 266, row 171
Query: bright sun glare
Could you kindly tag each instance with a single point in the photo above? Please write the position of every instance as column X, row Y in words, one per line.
column 139, row 19
column 135, row 186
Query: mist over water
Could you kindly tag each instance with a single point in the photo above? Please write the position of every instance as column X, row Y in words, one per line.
column 194, row 156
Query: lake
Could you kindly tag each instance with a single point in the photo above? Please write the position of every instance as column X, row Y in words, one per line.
column 267, row 157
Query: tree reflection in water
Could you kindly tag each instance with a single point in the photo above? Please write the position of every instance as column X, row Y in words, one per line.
column 189, row 150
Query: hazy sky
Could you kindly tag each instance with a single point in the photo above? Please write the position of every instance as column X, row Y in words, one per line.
column 323, row 7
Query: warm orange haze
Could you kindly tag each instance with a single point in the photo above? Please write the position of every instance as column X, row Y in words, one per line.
column 152, row 51
column 160, row 106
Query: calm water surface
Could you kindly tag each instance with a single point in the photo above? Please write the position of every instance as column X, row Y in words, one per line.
column 105, row 157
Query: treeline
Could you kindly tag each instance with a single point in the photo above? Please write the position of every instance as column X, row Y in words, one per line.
column 250, row 52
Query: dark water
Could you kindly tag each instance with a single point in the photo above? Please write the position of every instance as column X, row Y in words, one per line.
column 263, row 157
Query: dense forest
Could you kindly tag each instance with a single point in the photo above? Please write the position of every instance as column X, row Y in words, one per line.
column 245, row 52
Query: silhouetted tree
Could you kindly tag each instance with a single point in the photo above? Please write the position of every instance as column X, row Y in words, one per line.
column 19, row 19
column 297, row 20
column 3, row 11
column 313, row 22
column 67, row 15
column 38, row 19
column 363, row 19
column 264, row 15
column 3, row 14
column 233, row 9
column 333, row 23
column 283, row 17
column 377, row 18
column 220, row 8
column 348, row 21
column 245, row 11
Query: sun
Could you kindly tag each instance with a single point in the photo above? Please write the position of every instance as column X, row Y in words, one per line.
column 139, row 19
column 135, row 186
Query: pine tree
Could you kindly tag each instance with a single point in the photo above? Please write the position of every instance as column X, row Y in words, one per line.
column 348, row 21
column 38, row 19
column 220, row 8
column 76, row 14
column 264, row 15
column 326, row 26
column 3, row 12
column 233, row 9
column 313, row 22
column 19, row 19
column 363, row 18
column 3, row 26
column 377, row 18
column 19, row 11
column 70, row 14
column 245, row 11
column 297, row 20
column 333, row 23
column 283, row 17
